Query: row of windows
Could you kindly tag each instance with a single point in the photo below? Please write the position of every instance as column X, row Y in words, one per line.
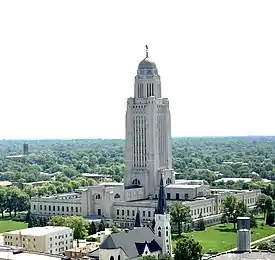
column 53, row 208
column 168, row 195
column 204, row 210
column 133, row 213
column 16, row 238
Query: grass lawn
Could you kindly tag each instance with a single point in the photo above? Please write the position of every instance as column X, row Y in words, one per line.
column 9, row 225
column 221, row 237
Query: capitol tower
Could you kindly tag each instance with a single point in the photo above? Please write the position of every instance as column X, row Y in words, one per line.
column 148, row 144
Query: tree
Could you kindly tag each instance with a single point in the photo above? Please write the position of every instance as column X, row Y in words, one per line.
column 165, row 257
column 150, row 257
column 253, row 221
column 77, row 223
column 28, row 216
column 3, row 200
column 200, row 224
column 31, row 222
column 188, row 248
column 180, row 213
column 160, row 257
column 264, row 203
column 92, row 229
column 232, row 208
column 101, row 226
column 270, row 218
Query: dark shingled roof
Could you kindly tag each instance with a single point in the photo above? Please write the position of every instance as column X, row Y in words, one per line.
column 153, row 246
column 128, row 241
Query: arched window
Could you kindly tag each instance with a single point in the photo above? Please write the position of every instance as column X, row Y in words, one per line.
column 112, row 258
column 159, row 228
column 167, row 233
column 168, row 181
column 118, row 258
column 97, row 196
column 136, row 182
column 117, row 196
column 159, row 234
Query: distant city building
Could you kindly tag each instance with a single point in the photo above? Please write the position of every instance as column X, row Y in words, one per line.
column 49, row 239
column 246, row 180
column 26, row 149
column 148, row 156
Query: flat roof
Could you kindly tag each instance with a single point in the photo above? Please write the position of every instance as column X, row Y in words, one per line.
column 27, row 256
column 37, row 231
column 182, row 186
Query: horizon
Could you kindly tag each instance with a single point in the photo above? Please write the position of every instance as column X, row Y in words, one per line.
column 71, row 75
column 173, row 137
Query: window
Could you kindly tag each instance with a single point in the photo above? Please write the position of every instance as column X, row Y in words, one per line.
column 76, row 209
column 97, row 197
column 50, row 207
column 133, row 213
column 99, row 212
column 62, row 208
column 118, row 258
column 122, row 212
column 53, row 208
column 159, row 234
column 128, row 212
column 117, row 211
column 58, row 208
column 45, row 207
column 40, row 207
column 186, row 196
column 112, row 258
column 136, row 182
column 67, row 209
column 168, row 181
column 168, row 196
column 72, row 209
column 143, row 213
column 34, row 207
column 177, row 196
column 149, row 214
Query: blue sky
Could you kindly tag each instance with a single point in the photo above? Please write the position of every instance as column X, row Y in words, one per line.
column 68, row 67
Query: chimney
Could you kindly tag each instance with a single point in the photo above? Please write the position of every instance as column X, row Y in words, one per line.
column 244, row 235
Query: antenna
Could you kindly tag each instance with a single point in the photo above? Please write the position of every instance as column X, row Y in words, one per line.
column 146, row 47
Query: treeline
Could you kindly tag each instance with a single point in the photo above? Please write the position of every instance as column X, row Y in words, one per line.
column 195, row 158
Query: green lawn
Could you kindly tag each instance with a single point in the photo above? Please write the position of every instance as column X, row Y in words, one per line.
column 221, row 237
column 9, row 225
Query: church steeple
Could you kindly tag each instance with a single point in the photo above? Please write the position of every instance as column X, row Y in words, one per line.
column 137, row 221
column 161, row 209
column 162, row 220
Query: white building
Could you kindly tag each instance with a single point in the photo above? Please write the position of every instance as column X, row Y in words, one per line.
column 49, row 239
column 148, row 156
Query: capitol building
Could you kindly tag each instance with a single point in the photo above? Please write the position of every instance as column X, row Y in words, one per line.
column 148, row 160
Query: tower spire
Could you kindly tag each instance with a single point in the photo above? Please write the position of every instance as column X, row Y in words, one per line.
column 146, row 47
column 161, row 209
column 137, row 221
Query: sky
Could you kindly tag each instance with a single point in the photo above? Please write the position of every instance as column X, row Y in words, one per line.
column 68, row 67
